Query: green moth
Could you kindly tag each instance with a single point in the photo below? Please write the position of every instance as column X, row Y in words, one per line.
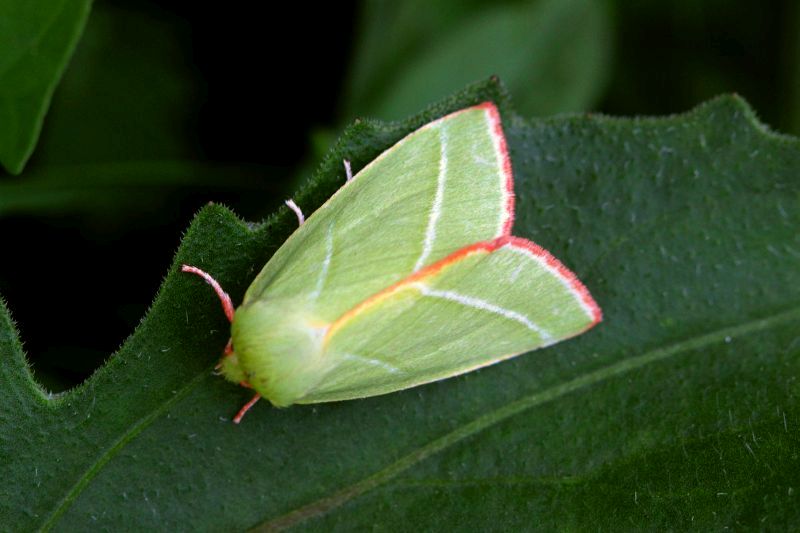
column 408, row 274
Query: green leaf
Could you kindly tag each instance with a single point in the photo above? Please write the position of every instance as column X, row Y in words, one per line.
column 679, row 411
column 37, row 38
column 125, row 187
column 553, row 54
column 128, row 93
column 115, row 141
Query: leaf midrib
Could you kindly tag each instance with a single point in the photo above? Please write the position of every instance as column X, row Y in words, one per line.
column 326, row 504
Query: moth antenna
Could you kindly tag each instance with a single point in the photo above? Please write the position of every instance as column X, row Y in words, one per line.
column 227, row 304
column 245, row 408
column 293, row 206
column 348, row 170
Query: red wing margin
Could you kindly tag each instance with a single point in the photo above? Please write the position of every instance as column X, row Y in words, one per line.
column 482, row 304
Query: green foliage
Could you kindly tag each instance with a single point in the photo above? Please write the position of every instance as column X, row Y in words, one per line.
column 127, row 95
column 404, row 59
column 679, row 411
column 115, row 139
column 37, row 38
column 115, row 189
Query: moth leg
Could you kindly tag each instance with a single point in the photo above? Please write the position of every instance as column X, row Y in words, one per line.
column 348, row 170
column 293, row 206
column 245, row 408
column 227, row 304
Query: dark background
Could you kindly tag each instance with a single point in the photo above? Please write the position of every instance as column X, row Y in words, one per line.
column 168, row 105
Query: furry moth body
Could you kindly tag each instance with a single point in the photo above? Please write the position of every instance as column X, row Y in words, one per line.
column 406, row 275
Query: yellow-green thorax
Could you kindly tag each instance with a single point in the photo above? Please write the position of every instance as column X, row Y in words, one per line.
column 277, row 350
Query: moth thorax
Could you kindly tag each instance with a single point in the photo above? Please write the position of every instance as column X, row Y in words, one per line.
column 278, row 347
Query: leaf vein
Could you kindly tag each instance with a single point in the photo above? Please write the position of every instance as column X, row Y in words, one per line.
column 83, row 481
column 326, row 504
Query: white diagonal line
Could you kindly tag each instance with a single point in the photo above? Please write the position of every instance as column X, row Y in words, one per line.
column 326, row 263
column 374, row 362
column 436, row 209
column 483, row 305
column 555, row 273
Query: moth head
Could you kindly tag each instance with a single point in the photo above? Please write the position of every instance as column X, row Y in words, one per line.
column 277, row 349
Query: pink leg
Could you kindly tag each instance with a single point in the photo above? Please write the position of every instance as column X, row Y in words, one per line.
column 348, row 170
column 243, row 410
column 293, row 206
column 227, row 305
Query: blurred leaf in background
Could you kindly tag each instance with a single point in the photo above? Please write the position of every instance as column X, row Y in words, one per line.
column 121, row 139
column 37, row 38
column 671, row 55
column 648, row 57
column 791, row 68
column 129, row 94
column 554, row 55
